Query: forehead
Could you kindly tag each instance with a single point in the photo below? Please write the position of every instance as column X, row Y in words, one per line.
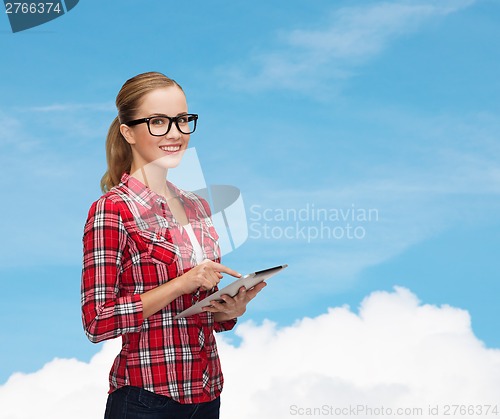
column 169, row 101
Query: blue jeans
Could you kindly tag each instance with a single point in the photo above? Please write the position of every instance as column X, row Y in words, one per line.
column 136, row 403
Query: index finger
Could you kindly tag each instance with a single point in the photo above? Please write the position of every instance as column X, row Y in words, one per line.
column 223, row 268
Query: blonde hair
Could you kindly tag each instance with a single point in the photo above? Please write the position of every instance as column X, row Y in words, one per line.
column 128, row 101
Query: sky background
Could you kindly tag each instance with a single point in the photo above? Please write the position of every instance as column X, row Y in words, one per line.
column 345, row 106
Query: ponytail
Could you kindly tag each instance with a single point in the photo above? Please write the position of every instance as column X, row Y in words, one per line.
column 118, row 156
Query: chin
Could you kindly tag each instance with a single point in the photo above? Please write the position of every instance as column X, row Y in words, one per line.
column 170, row 161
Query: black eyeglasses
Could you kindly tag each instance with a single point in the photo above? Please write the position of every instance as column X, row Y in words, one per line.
column 160, row 125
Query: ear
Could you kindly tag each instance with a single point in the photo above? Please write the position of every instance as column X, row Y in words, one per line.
column 127, row 133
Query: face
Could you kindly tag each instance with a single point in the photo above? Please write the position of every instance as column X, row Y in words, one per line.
column 165, row 151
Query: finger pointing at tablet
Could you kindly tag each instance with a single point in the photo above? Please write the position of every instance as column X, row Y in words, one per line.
column 222, row 268
column 205, row 276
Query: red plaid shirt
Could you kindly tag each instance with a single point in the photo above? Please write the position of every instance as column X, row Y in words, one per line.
column 132, row 244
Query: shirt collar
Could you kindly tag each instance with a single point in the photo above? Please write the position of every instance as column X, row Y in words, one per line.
column 148, row 198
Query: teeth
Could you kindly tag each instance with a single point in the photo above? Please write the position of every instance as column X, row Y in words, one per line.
column 170, row 147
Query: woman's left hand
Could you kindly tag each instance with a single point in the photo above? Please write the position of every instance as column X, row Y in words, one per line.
column 233, row 307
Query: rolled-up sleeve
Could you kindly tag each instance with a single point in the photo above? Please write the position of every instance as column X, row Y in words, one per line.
column 106, row 314
column 224, row 326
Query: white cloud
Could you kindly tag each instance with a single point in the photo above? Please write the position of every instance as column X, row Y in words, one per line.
column 306, row 58
column 395, row 352
column 63, row 388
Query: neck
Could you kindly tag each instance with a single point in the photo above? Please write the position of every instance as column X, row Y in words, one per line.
column 153, row 177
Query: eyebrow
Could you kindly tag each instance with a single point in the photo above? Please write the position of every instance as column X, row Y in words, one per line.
column 162, row 114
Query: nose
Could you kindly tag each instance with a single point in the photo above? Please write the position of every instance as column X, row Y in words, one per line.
column 174, row 132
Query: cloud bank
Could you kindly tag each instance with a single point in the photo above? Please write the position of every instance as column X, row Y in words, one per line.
column 394, row 353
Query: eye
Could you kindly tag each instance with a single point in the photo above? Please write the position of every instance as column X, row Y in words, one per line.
column 158, row 122
column 184, row 119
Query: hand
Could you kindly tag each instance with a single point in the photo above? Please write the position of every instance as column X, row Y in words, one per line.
column 205, row 276
column 235, row 306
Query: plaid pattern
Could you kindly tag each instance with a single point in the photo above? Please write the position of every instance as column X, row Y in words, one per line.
column 132, row 244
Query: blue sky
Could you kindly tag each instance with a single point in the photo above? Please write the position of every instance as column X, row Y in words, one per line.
column 360, row 105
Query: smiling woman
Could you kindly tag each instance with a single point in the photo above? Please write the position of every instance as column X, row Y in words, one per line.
column 150, row 252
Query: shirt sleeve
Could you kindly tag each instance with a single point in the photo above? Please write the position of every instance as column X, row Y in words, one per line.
column 105, row 314
column 224, row 326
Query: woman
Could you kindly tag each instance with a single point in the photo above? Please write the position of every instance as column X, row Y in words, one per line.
column 150, row 251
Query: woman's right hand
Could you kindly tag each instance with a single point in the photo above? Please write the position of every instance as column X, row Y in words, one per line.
column 204, row 276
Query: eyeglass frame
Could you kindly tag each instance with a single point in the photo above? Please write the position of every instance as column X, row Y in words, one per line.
column 170, row 121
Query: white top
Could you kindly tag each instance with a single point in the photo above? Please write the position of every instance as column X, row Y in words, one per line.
column 198, row 251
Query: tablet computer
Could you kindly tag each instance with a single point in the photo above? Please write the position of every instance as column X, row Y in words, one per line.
column 247, row 281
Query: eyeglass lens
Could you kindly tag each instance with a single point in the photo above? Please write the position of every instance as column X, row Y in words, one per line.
column 159, row 125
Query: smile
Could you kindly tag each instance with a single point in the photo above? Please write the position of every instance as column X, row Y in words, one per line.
column 171, row 148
